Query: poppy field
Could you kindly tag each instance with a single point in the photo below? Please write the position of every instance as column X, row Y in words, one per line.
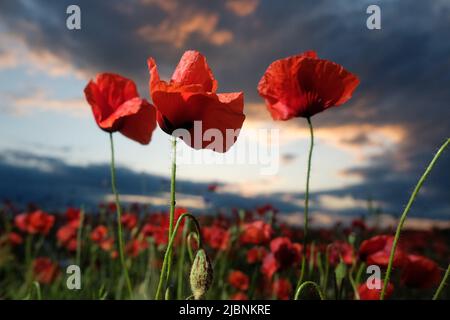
column 132, row 251
column 252, row 256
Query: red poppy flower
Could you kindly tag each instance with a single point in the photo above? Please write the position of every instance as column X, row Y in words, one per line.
column 67, row 236
column 191, row 96
column 256, row 254
column 266, row 209
column 376, row 250
column 285, row 252
column 135, row 247
column 158, row 226
column 129, row 220
column 238, row 280
column 99, row 233
column 15, row 239
column 340, row 250
column 73, row 214
column 45, row 271
column 359, row 224
column 106, row 244
column 420, row 272
column 35, row 222
column 114, row 254
column 269, row 266
column 257, row 232
column 239, row 296
column 374, row 294
column 212, row 187
column 216, row 237
column 116, row 106
column 158, row 233
column 282, row 289
column 303, row 85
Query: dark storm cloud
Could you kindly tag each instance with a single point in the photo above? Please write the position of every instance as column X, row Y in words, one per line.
column 404, row 68
column 54, row 184
column 50, row 182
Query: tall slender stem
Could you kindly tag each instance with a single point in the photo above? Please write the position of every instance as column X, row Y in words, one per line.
column 405, row 213
column 169, row 249
column 442, row 284
column 119, row 218
column 305, row 214
column 172, row 202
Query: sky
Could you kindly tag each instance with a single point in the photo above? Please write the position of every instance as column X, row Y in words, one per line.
column 373, row 147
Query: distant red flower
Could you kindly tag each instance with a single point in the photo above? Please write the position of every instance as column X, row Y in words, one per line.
column 239, row 296
column 99, row 234
column 285, row 252
column 340, row 250
column 256, row 254
column 359, row 224
column 106, row 244
column 35, row 222
column 116, row 106
column 376, row 250
column 158, row 233
column 269, row 266
column 238, row 280
column 73, row 214
column 257, row 232
column 212, row 187
column 158, row 225
column 266, row 209
column 374, row 294
column 114, row 254
column 216, row 237
column 15, row 239
column 420, row 272
column 45, row 270
column 135, row 247
column 282, row 289
column 191, row 96
column 67, row 236
column 303, row 85
column 129, row 220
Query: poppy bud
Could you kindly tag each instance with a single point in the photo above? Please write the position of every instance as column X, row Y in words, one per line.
column 201, row 274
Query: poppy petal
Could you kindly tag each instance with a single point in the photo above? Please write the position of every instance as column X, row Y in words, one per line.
column 140, row 125
column 219, row 112
column 280, row 88
column 325, row 84
column 193, row 69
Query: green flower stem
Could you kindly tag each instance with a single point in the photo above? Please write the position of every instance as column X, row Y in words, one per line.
column 169, row 250
column 181, row 262
column 191, row 235
column 312, row 284
column 305, row 214
column 119, row 218
column 442, row 284
column 172, row 201
column 405, row 213
column 37, row 287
